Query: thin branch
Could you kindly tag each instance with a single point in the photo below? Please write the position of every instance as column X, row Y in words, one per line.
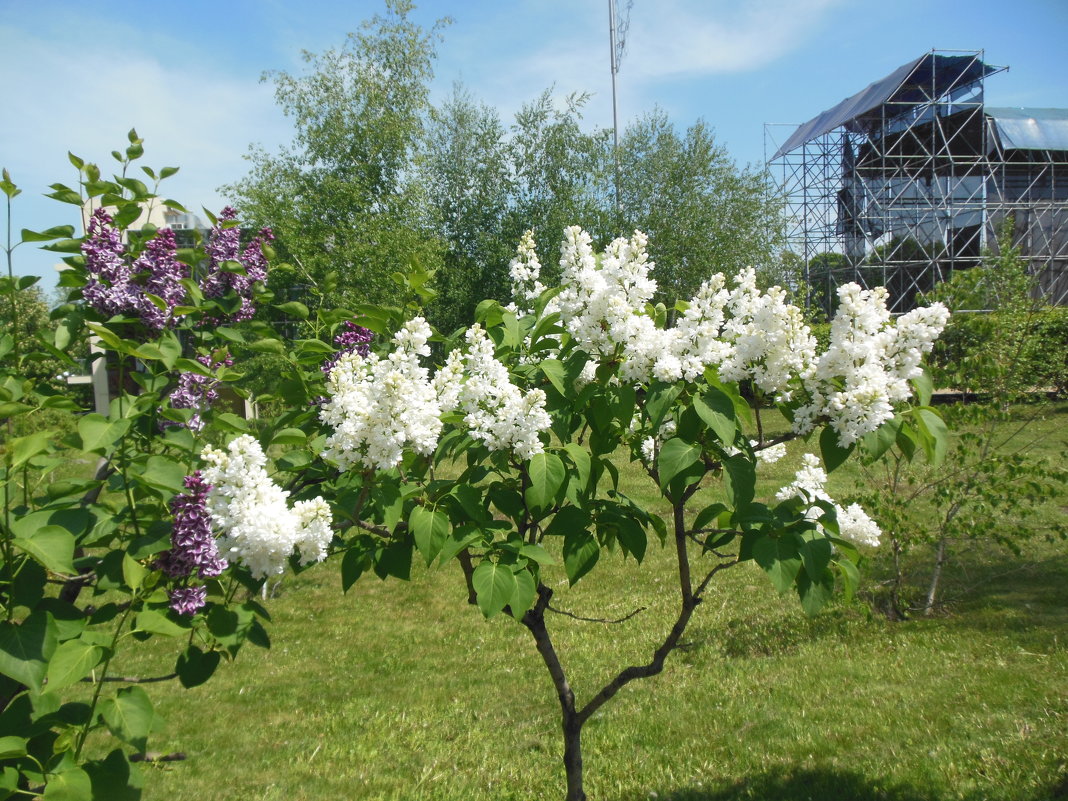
column 573, row 616
column 651, row 668
column 704, row 582
column 779, row 440
column 178, row 756
column 131, row 679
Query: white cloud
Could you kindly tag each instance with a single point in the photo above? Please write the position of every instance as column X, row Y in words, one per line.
column 667, row 40
column 85, row 100
column 675, row 37
column 85, row 97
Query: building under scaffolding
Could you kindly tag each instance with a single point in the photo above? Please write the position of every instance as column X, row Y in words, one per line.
column 914, row 177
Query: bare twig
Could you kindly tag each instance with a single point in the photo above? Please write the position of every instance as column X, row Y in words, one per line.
column 131, row 679
column 573, row 616
column 704, row 582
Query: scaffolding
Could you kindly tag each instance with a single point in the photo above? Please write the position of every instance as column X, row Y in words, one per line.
column 914, row 178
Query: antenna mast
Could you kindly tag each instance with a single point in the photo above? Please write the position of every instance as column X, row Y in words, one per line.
column 617, row 37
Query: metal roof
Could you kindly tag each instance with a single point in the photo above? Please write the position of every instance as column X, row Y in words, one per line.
column 930, row 76
column 1031, row 128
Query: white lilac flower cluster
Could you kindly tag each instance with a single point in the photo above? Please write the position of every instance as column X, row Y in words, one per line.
column 868, row 364
column 258, row 526
column 809, row 484
column 602, row 303
column 525, row 270
column 379, row 407
column 743, row 333
column 496, row 412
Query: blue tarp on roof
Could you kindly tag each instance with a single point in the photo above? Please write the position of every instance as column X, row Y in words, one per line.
column 1031, row 128
column 910, row 83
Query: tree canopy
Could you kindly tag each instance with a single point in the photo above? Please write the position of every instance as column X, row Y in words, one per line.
column 377, row 177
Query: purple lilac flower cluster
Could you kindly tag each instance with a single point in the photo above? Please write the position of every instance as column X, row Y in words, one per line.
column 196, row 391
column 116, row 287
column 224, row 244
column 352, row 339
column 193, row 550
column 159, row 262
column 188, row 600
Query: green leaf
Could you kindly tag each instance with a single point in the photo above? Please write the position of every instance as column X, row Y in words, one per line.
column 156, row 623
column 353, row 563
column 129, row 716
column 523, row 597
column 431, row 529
column 580, row 458
column 52, row 546
column 232, row 421
column 194, row 667
column 553, row 369
column 494, row 586
column 632, row 537
column 72, row 784
column 114, row 778
column 462, row 537
column 740, row 480
column 72, row 661
column 708, row 515
column 164, row 473
column 876, row 443
column 676, row 457
column 12, row 747
column 816, row 555
column 395, row 560
column 850, row 576
column 98, row 433
column 658, row 401
column 581, row 553
column 25, row 448
column 924, row 386
column 834, row 455
column 268, row 346
column 716, row 409
column 814, row 594
column 56, row 232
column 536, row 553
column 289, row 436
column 294, row 308
column 547, row 474
column 26, row 647
column 13, row 408
column 906, row 440
column 937, row 440
column 779, row 558
column 569, row 518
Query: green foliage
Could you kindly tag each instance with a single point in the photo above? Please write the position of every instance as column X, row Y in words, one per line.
column 702, row 212
column 83, row 581
column 343, row 199
column 985, row 485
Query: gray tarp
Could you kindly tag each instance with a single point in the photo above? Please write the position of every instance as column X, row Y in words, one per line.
column 911, row 83
column 1031, row 128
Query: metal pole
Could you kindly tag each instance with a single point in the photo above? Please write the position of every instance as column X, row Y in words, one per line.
column 615, row 107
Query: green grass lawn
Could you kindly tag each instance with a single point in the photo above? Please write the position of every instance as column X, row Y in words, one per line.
column 401, row 691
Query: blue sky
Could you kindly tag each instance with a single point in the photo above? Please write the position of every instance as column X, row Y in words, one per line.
column 77, row 76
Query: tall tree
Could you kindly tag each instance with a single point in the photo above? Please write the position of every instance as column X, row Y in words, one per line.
column 343, row 197
column 702, row 212
column 468, row 179
column 489, row 185
column 559, row 174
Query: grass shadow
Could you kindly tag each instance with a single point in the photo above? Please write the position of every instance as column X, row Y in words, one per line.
column 746, row 638
column 825, row 784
